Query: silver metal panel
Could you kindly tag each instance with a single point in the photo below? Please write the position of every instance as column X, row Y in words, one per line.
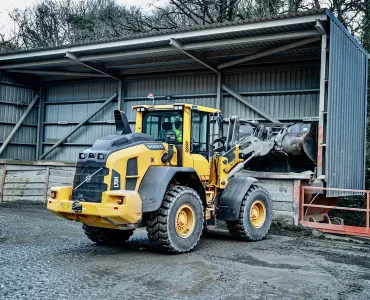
column 67, row 113
column 24, row 134
column 64, row 153
column 77, row 112
column 168, row 86
column 85, row 135
column 83, row 91
column 12, row 113
column 283, row 105
column 21, row 152
column 346, row 113
column 14, row 99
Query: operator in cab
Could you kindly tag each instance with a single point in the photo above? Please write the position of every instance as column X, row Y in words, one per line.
column 178, row 131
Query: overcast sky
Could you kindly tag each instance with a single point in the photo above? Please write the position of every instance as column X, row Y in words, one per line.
column 8, row 5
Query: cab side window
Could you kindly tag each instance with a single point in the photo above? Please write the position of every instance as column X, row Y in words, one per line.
column 152, row 126
column 199, row 133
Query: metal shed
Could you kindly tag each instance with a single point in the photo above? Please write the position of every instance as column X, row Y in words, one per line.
column 296, row 67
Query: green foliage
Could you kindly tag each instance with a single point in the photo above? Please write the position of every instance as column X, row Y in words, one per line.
column 50, row 23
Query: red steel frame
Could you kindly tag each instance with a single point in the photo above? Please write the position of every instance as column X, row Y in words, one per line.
column 333, row 228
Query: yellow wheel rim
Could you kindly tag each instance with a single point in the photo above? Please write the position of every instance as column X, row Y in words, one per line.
column 257, row 214
column 185, row 221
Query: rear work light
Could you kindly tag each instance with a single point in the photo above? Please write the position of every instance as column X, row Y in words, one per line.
column 53, row 194
column 120, row 200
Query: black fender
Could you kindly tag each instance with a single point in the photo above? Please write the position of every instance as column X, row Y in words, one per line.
column 232, row 197
column 156, row 179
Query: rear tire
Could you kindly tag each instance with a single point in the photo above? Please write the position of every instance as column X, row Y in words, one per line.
column 105, row 236
column 177, row 226
column 255, row 216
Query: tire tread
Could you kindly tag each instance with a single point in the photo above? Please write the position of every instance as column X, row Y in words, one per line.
column 237, row 228
column 157, row 222
column 96, row 235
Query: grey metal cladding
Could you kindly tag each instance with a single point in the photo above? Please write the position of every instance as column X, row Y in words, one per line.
column 14, row 99
column 67, row 113
column 21, row 152
column 286, row 93
column 346, row 113
column 81, row 91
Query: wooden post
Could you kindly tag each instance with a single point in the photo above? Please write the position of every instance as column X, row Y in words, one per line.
column 2, row 184
column 296, row 201
column 46, row 183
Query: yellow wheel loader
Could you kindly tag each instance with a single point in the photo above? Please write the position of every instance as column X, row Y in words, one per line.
column 176, row 175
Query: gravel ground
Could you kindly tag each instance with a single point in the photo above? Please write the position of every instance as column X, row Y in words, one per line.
column 45, row 257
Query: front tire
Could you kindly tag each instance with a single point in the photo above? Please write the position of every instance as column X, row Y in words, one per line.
column 177, row 226
column 255, row 216
column 106, row 236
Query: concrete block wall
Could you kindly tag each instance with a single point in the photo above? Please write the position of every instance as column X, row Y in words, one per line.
column 31, row 181
column 285, row 212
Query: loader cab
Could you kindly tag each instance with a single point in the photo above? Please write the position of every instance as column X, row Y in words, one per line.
column 191, row 125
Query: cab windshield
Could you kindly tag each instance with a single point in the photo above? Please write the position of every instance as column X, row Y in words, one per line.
column 159, row 123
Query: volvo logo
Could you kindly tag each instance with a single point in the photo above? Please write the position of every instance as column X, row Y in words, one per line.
column 155, row 146
column 88, row 178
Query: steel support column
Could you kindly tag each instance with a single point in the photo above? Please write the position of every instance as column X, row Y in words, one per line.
column 82, row 123
column 121, row 94
column 219, row 91
column 250, row 105
column 40, row 123
column 322, row 110
column 19, row 123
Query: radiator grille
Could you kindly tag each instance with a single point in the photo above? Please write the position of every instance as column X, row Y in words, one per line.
column 88, row 183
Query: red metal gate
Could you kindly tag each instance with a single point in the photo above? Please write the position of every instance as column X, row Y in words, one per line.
column 316, row 215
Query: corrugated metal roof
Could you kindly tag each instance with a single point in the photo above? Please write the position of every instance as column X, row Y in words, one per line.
column 186, row 29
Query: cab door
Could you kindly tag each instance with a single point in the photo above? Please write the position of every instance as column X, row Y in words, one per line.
column 199, row 142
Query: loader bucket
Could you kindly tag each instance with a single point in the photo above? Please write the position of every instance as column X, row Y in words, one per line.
column 301, row 139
